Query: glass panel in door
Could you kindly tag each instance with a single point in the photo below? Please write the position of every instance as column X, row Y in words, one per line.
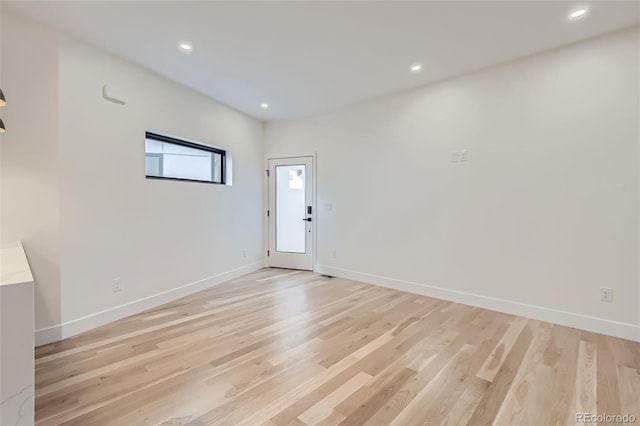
column 290, row 208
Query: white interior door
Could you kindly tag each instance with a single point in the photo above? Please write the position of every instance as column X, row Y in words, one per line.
column 291, row 213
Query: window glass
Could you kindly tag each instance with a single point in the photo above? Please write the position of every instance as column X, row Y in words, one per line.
column 171, row 158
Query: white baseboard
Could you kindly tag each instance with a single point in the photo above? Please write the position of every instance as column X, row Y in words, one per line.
column 569, row 319
column 80, row 325
column 46, row 335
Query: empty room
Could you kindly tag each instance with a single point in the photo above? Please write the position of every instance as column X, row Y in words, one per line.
column 290, row 213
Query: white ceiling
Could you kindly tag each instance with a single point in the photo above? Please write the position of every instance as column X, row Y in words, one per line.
column 309, row 57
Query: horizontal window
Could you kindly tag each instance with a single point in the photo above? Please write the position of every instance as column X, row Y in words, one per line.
column 171, row 158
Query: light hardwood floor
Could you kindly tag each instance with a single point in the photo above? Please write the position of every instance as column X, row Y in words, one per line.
column 281, row 347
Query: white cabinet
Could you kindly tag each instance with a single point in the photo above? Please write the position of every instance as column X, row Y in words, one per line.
column 16, row 338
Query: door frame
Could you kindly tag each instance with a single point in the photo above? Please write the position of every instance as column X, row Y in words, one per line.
column 314, row 197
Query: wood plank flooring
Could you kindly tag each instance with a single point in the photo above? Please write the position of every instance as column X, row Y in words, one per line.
column 281, row 347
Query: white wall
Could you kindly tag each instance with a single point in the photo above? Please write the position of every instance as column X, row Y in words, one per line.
column 29, row 166
column 544, row 213
column 155, row 235
column 73, row 174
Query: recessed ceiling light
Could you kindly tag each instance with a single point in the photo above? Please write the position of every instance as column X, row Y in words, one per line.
column 186, row 47
column 578, row 13
column 264, row 105
column 415, row 68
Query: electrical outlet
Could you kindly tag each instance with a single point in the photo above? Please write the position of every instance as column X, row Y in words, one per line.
column 464, row 156
column 455, row 157
column 333, row 254
column 606, row 294
column 116, row 285
column 244, row 253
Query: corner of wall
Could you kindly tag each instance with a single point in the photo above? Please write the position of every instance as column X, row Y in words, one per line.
column 30, row 167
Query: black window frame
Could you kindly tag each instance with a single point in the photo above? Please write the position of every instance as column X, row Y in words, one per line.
column 187, row 144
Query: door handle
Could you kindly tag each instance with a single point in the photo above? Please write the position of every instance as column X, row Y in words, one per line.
column 307, row 219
